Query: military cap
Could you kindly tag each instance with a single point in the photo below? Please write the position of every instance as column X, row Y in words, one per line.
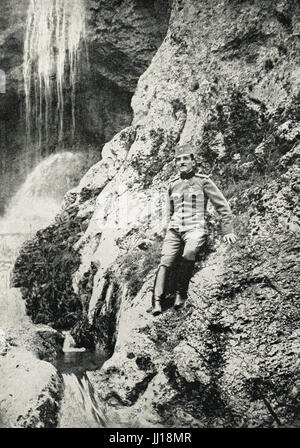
column 184, row 149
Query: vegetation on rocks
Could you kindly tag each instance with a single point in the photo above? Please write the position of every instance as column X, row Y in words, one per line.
column 44, row 271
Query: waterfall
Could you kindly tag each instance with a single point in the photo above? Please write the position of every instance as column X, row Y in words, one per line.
column 33, row 207
column 81, row 407
column 38, row 200
column 55, row 30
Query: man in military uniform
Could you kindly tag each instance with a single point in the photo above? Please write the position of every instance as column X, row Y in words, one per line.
column 188, row 194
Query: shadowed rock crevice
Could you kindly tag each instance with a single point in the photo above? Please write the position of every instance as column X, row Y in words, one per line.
column 106, row 316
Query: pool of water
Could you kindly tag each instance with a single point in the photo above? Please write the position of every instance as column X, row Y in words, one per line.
column 79, row 362
column 81, row 406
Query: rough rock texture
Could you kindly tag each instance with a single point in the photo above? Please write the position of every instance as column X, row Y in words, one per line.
column 19, row 332
column 124, row 37
column 30, row 387
column 226, row 79
column 30, row 392
column 231, row 357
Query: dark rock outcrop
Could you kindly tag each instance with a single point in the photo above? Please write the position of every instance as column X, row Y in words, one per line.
column 124, row 37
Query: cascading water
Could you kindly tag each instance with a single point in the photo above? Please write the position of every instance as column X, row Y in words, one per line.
column 55, row 32
column 38, row 200
column 81, row 406
column 33, row 207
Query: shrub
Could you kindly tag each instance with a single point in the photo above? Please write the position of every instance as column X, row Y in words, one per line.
column 44, row 271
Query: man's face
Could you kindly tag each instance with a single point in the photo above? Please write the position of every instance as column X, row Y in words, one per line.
column 184, row 163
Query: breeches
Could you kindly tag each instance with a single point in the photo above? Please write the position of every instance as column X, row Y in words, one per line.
column 186, row 243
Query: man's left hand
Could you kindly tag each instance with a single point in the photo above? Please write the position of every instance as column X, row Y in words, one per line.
column 230, row 238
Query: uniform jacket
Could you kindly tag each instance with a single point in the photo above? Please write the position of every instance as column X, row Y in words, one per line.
column 188, row 197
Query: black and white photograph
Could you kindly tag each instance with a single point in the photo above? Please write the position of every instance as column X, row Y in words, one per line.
column 149, row 217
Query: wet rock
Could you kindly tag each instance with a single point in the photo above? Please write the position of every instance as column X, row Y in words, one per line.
column 133, row 377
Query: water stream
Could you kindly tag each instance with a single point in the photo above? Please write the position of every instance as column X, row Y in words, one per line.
column 54, row 39
column 55, row 34
column 81, row 406
column 32, row 208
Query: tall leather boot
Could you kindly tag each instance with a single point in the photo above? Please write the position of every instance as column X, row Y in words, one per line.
column 159, row 289
column 184, row 276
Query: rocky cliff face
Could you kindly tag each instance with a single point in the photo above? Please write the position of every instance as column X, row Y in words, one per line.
column 226, row 79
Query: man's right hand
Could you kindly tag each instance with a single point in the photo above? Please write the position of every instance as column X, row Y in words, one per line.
column 230, row 238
